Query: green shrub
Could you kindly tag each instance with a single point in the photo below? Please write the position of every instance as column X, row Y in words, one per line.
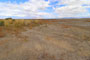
column 1, row 23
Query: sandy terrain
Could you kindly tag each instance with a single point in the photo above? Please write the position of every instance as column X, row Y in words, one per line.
column 56, row 41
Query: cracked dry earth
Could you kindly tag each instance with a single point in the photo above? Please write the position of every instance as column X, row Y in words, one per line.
column 56, row 41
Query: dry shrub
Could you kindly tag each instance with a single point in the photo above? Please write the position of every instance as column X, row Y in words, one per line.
column 83, row 52
column 6, row 23
column 1, row 32
column 39, row 47
column 35, row 23
column 25, row 39
column 47, row 56
column 1, row 23
column 13, row 30
column 46, row 21
column 65, row 26
column 27, row 22
column 12, row 23
column 18, row 23
column 49, row 22
column 0, row 29
column 87, row 21
column 85, row 37
column 16, row 32
column 22, row 22
column 49, row 38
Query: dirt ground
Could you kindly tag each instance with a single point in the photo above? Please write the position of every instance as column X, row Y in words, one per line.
column 69, row 40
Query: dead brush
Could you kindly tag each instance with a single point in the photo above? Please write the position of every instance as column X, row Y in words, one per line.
column 87, row 21
column 25, row 39
column 2, row 34
column 85, row 37
column 47, row 56
column 13, row 30
column 1, row 23
column 35, row 23
column 48, row 22
column 65, row 26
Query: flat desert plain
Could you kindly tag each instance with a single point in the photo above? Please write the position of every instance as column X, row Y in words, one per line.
column 61, row 39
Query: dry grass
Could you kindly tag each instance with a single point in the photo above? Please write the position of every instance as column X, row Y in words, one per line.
column 3, row 42
column 60, row 43
column 54, row 42
column 87, row 21
column 22, row 22
column 85, row 37
column 2, row 34
column 65, row 26
column 47, row 56
column 15, row 26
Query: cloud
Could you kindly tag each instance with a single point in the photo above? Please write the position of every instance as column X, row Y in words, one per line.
column 71, row 11
column 36, row 9
column 73, row 2
column 28, row 9
column 73, row 8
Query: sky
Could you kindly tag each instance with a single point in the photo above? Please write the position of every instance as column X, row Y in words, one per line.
column 44, row 9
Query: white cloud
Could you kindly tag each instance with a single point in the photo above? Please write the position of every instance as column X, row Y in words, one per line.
column 70, row 11
column 73, row 2
column 33, row 8
column 73, row 8
column 28, row 9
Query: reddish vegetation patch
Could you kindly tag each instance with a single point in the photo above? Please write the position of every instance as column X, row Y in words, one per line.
column 0, row 29
column 1, row 32
column 65, row 26
column 13, row 30
column 47, row 56
column 88, row 21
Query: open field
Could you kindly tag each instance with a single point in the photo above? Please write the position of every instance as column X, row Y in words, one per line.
column 61, row 39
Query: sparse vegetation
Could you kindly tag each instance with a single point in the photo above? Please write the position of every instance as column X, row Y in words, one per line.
column 8, row 22
column 38, row 39
column 1, row 32
column 65, row 26
column 1, row 23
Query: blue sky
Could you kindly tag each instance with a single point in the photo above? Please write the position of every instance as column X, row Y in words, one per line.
column 46, row 9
